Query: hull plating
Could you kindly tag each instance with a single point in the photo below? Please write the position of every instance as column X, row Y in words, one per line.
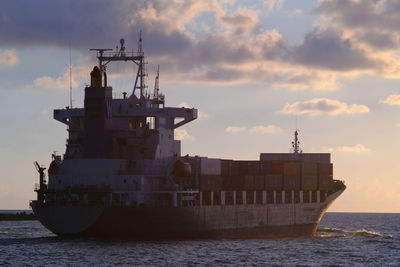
column 240, row 221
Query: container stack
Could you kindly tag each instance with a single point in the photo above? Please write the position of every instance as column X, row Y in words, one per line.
column 230, row 175
column 291, row 175
column 325, row 176
column 210, row 174
column 309, row 175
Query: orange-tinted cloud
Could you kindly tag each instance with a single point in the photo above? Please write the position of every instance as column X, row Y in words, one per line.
column 323, row 106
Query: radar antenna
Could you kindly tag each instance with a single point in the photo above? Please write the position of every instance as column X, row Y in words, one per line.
column 296, row 144
column 105, row 57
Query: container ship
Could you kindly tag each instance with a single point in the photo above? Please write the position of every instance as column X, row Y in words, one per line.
column 123, row 176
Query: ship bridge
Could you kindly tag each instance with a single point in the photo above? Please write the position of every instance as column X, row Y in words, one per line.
column 138, row 126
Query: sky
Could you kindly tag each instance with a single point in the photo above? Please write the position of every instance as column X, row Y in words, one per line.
column 255, row 69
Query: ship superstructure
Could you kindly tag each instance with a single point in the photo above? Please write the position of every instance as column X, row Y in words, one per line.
column 122, row 173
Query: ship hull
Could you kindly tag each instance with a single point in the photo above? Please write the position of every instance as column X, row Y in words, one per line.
column 230, row 221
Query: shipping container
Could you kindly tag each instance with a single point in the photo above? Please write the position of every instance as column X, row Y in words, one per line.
column 210, row 183
column 210, row 166
column 292, row 168
column 325, row 182
column 226, row 168
column 273, row 181
column 291, row 182
column 309, row 182
column 242, row 167
column 227, row 183
column 259, row 182
column 238, row 182
column 318, row 157
column 253, row 167
column 325, row 168
column 266, row 166
column 234, row 168
column 271, row 167
column 309, row 168
column 248, row 182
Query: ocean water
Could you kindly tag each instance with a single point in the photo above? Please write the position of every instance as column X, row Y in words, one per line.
column 343, row 239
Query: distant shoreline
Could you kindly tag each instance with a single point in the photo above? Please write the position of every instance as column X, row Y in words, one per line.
column 17, row 215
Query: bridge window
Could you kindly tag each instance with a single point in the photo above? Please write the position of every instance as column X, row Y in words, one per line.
column 151, row 123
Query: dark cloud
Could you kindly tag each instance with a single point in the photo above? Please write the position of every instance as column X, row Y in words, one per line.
column 218, row 55
column 326, row 49
column 374, row 22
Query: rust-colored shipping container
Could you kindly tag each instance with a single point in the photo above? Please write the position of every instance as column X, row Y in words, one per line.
column 291, row 182
column 210, row 183
column 248, row 182
column 259, row 182
column 325, row 168
column 227, row 183
column 271, row 167
column 292, row 168
column 325, row 182
column 265, row 166
column 309, row 168
column 253, row 167
column 309, row 182
column 238, row 182
column 234, row 165
column 273, row 181
column 226, row 168
column 242, row 167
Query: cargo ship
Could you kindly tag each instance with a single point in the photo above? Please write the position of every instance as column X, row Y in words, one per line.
column 123, row 176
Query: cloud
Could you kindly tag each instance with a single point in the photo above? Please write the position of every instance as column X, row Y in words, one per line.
column 181, row 134
column 392, row 100
column 323, row 106
column 269, row 129
column 9, row 57
column 298, row 12
column 61, row 82
column 235, row 129
column 231, row 46
column 372, row 29
column 327, row 49
column 358, row 148
column 273, row 4
column 258, row 129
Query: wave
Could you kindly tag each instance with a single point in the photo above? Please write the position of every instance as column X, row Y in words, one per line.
column 334, row 232
column 3, row 233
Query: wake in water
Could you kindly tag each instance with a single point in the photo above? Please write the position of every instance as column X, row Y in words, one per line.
column 334, row 232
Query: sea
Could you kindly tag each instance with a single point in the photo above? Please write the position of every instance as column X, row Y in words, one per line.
column 342, row 239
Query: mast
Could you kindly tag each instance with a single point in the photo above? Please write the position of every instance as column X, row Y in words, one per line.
column 156, row 83
column 142, row 72
column 105, row 56
column 296, row 144
column 70, row 79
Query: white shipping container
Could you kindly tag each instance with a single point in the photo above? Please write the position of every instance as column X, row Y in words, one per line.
column 210, row 166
